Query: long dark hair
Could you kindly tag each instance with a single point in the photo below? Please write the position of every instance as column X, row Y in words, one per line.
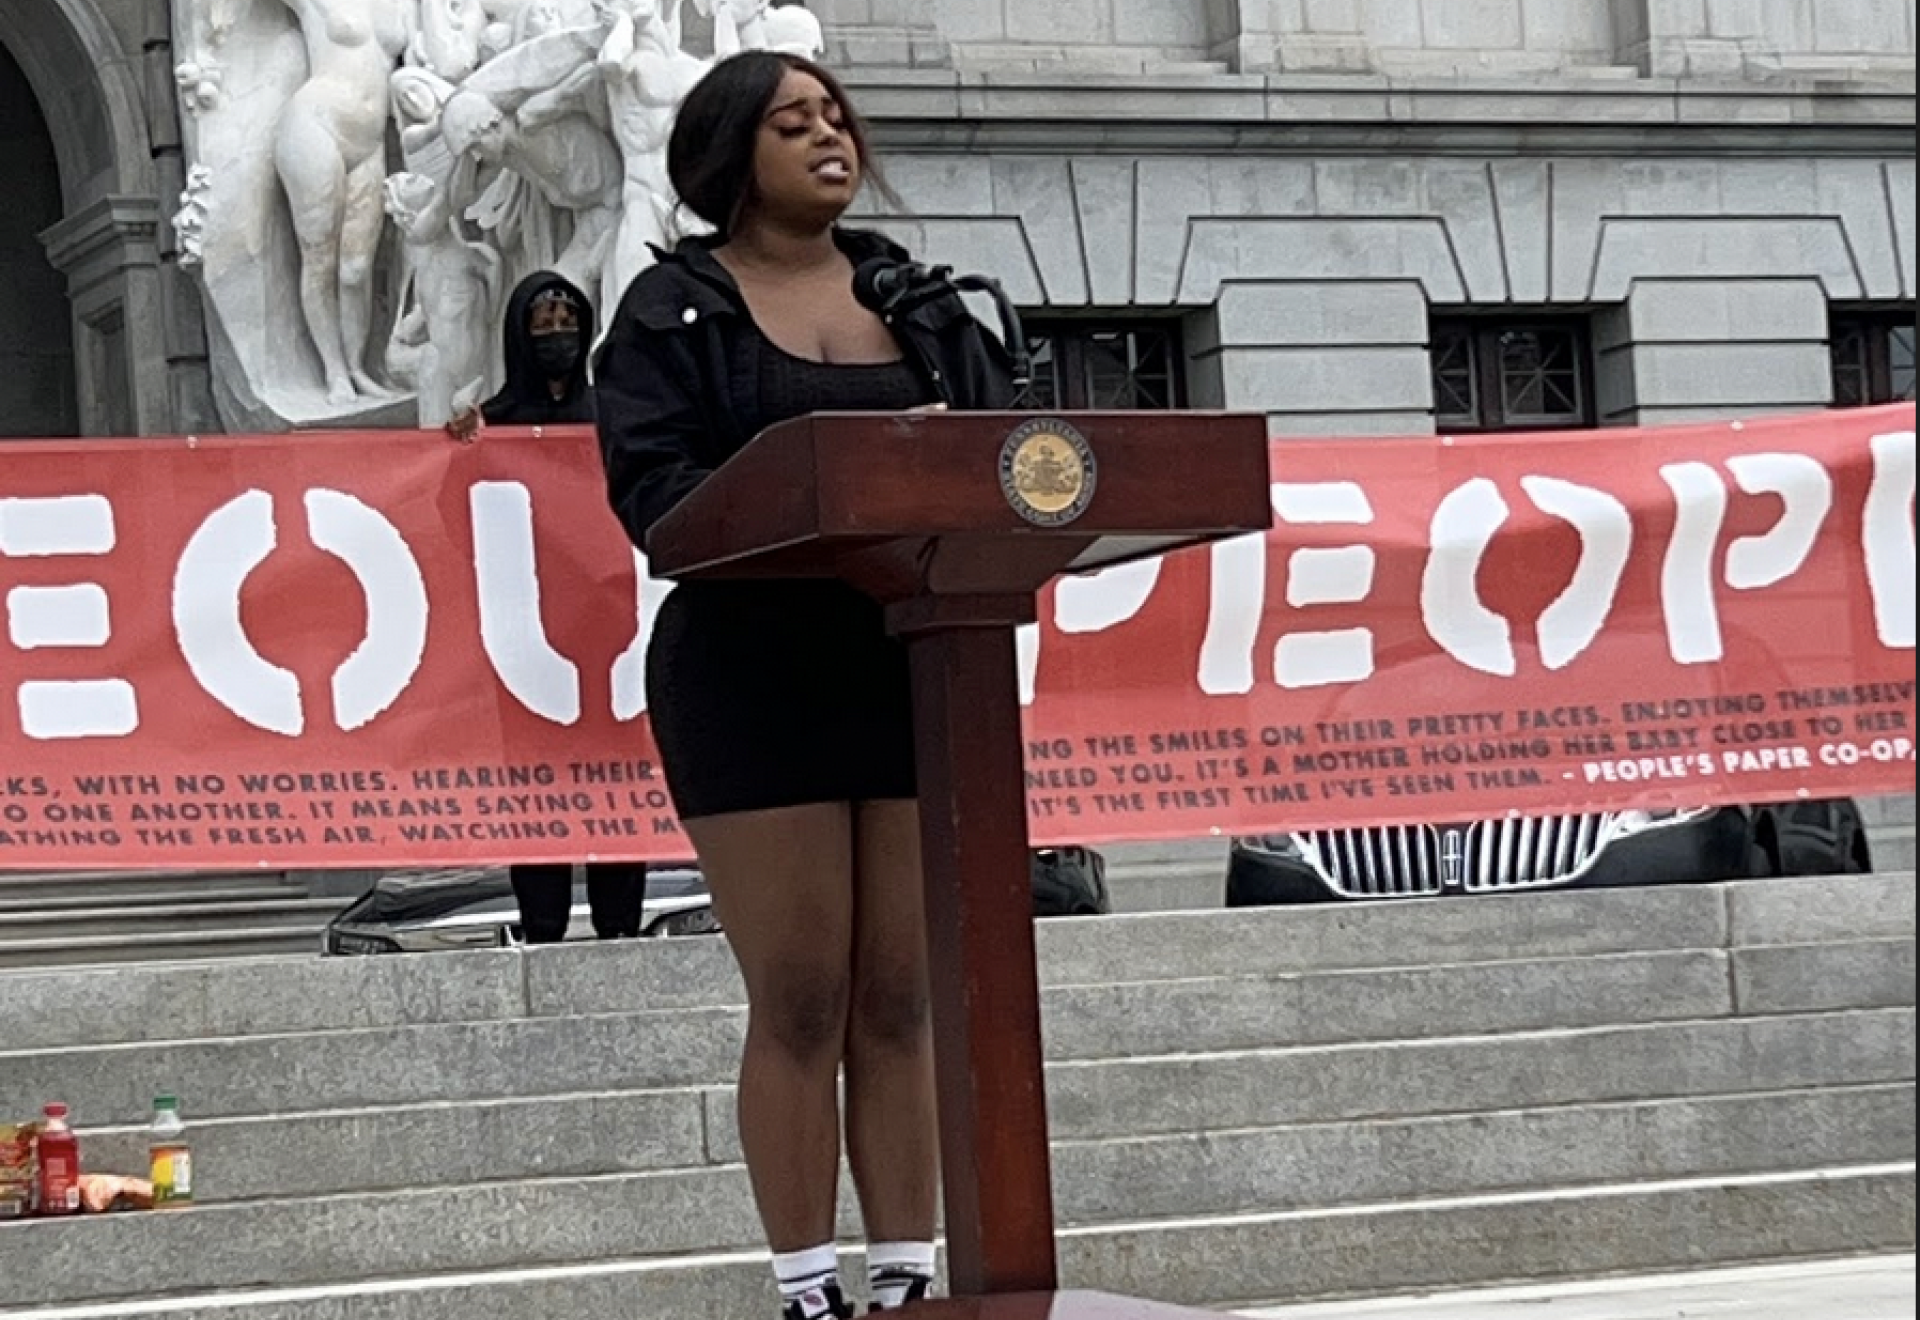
column 710, row 155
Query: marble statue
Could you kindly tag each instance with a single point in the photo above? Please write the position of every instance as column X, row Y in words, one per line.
column 199, row 87
column 646, row 75
column 190, row 225
column 330, row 148
column 549, row 149
column 737, row 25
column 795, row 30
column 366, row 179
column 455, row 288
column 451, row 39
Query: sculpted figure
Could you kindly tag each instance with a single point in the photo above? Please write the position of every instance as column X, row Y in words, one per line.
column 647, row 75
column 737, row 25
column 455, row 285
column 190, row 221
column 571, row 162
column 330, row 151
column 419, row 95
column 795, row 30
column 538, row 18
column 199, row 83
column 451, row 37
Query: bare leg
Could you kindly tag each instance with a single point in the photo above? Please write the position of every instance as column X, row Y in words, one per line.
column 315, row 179
column 782, row 885
column 893, row 1134
column 359, row 240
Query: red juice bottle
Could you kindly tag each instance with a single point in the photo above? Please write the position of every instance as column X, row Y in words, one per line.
column 58, row 1152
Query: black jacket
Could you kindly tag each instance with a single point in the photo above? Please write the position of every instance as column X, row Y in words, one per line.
column 527, row 397
column 674, row 378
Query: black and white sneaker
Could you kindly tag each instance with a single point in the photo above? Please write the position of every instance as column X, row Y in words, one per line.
column 908, row 1287
column 826, row 1302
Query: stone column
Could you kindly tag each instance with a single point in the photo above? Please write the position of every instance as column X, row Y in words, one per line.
column 1674, row 39
column 183, row 323
column 109, row 253
column 894, row 34
column 1294, row 36
column 1737, row 38
column 1320, row 358
column 1687, row 350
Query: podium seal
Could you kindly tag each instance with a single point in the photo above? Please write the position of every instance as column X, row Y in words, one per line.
column 1048, row 472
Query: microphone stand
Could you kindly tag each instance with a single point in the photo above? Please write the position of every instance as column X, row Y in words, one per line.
column 941, row 281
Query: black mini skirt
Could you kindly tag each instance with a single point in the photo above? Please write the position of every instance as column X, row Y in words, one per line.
column 766, row 695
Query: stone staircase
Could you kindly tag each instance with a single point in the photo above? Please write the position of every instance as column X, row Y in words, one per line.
column 1249, row 1108
column 71, row 918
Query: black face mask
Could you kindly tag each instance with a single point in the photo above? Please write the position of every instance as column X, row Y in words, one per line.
column 557, row 354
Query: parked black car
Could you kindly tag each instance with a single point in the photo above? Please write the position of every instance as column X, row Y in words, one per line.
column 422, row 912
column 1557, row 852
column 437, row 911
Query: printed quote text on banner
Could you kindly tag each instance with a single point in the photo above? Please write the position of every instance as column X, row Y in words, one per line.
column 386, row 649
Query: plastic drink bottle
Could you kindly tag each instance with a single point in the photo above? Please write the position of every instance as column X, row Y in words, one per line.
column 58, row 1152
column 172, row 1161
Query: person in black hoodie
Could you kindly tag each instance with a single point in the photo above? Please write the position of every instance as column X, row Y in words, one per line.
column 549, row 326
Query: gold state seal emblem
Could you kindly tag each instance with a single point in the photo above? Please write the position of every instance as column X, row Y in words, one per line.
column 1048, row 473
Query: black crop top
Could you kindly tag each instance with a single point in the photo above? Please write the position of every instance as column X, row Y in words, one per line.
column 791, row 386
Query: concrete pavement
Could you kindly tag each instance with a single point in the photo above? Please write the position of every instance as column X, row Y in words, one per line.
column 1876, row 1289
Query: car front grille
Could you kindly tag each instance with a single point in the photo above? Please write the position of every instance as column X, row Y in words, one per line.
column 1403, row 861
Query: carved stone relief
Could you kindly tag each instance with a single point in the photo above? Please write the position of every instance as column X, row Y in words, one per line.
column 368, row 178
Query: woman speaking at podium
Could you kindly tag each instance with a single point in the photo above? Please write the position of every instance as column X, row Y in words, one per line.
column 782, row 709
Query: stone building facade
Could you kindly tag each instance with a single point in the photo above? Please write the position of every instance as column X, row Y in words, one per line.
column 1360, row 216
column 1345, row 212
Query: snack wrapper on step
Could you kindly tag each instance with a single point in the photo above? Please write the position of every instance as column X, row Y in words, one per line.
column 16, row 1169
column 103, row 1194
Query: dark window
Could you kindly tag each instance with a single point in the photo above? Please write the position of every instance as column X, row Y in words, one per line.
column 1511, row 375
column 1872, row 358
column 1105, row 364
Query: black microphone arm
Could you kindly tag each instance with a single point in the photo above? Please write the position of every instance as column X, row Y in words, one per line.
column 1010, row 326
column 892, row 288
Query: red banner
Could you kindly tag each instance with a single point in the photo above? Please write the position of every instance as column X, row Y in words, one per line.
column 386, row 649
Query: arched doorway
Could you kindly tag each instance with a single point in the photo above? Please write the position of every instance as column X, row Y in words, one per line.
column 82, row 88
column 37, row 394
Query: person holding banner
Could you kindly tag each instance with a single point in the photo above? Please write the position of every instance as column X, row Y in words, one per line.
column 549, row 324
column 782, row 709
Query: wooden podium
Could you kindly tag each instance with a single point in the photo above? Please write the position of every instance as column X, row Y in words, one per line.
column 954, row 521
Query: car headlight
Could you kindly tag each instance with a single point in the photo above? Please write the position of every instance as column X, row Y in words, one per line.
column 1640, row 821
column 1286, row 846
column 697, row 921
column 359, row 946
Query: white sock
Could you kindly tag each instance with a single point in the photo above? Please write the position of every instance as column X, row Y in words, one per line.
column 896, row 1269
column 809, row 1278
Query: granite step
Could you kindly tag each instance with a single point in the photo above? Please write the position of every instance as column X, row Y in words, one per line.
column 1218, row 1261
column 59, row 922
column 498, row 1059
column 132, row 885
column 576, row 1219
column 116, row 949
column 158, row 894
column 184, row 1001
column 448, row 1142
column 100, row 918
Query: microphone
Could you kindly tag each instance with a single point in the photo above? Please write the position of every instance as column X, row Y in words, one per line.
column 881, row 285
column 890, row 288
